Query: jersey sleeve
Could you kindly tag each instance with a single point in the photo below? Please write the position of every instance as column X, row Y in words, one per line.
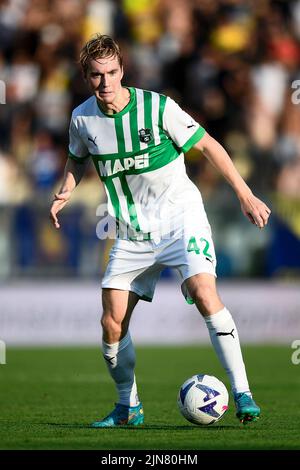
column 180, row 126
column 77, row 148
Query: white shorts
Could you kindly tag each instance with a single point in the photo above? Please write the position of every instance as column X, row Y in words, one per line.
column 136, row 265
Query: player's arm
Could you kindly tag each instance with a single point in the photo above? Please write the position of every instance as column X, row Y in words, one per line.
column 252, row 207
column 72, row 176
column 74, row 170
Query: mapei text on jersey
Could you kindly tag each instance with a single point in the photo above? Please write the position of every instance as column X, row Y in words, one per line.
column 111, row 167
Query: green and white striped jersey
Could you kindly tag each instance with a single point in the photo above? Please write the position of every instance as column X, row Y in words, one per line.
column 138, row 154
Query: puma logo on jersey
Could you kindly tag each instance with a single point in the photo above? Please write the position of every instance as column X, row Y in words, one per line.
column 92, row 140
column 111, row 167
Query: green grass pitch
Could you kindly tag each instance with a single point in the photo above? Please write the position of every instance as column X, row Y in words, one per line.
column 49, row 396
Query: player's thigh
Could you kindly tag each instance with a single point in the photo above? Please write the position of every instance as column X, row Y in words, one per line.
column 118, row 306
column 203, row 290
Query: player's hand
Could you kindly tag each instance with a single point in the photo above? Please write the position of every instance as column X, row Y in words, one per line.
column 59, row 202
column 256, row 210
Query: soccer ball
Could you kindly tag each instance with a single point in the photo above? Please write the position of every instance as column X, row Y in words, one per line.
column 203, row 399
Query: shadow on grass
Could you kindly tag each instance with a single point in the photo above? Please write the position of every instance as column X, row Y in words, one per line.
column 149, row 427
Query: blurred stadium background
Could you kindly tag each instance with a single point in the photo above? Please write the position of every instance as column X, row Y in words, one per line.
column 229, row 63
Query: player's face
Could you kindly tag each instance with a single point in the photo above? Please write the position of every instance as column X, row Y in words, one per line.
column 104, row 78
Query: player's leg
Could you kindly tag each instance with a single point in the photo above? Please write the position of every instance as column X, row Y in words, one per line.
column 131, row 275
column 225, row 340
column 118, row 306
column 119, row 354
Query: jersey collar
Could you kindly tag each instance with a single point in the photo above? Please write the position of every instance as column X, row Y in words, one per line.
column 124, row 110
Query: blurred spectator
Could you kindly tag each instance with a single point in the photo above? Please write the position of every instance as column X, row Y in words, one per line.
column 8, row 172
column 43, row 164
column 229, row 63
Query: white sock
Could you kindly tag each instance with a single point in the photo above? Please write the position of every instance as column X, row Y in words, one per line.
column 120, row 360
column 225, row 340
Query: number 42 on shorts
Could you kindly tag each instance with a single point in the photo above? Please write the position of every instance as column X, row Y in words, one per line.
column 197, row 248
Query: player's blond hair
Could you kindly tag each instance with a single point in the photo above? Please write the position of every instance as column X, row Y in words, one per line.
column 99, row 47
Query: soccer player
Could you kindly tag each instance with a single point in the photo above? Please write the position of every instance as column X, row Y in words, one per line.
column 137, row 140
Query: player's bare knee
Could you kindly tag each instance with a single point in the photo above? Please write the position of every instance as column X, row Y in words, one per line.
column 110, row 325
column 205, row 297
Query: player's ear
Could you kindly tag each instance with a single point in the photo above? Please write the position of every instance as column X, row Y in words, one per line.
column 122, row 72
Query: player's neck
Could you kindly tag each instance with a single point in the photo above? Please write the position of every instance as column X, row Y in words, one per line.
column 120, row 102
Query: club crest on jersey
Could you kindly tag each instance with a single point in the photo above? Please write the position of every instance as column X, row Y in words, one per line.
column 145, row 135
